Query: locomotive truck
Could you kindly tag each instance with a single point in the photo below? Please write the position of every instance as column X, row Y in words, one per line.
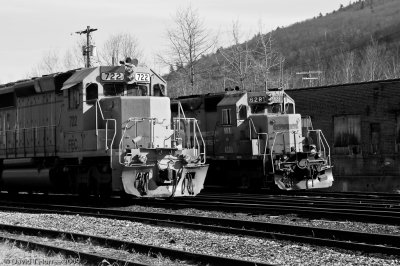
column 99, row 130
column 256, row 139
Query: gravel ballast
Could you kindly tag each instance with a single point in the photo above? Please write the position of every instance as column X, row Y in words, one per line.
column 88, row 247
column 11, row 254
column 240, row 247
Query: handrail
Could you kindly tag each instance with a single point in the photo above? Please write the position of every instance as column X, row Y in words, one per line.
column 180, row 109
column 151, row 120
column 324, row 142
column 196, row 143
column 105, row 119
column 204, row 144
column 34, row 127
column 255, row 130
column 97, row 130
column 24, row 129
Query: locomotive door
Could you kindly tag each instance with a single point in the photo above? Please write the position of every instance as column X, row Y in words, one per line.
column 72, row 120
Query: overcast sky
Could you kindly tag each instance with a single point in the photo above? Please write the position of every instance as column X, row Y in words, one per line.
column 30, row 28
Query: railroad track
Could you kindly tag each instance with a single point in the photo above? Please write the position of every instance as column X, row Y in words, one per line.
column 310, row 193
column 195, row 258
column 328, row 202
column 228, row 197
column 386, row 212
column 335, row 211
column 349, row 240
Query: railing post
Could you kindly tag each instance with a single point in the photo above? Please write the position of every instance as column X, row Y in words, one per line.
column 151, row 133
column 194, row 135
column 15, row 143
column 23, row 130
column 34, row 142
column 44, row 141
column 55, row 140
column 106, row 134
column 97, row 126
column 5, row 131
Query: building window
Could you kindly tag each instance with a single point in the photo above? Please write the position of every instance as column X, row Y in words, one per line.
column 226, row 117
column 92, row 93
column 347, row 134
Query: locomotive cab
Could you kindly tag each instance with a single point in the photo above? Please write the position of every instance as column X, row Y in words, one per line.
column 131, row 120
column 294, row 156
column 98, row 131
column 263, row 129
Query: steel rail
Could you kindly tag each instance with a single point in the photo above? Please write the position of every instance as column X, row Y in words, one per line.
column 129, row 246
column 383, row 216
column 356, row 195
column 366, row 242
column 95, row 259
column 393, row 205
column 259, row 197
column 237, row 198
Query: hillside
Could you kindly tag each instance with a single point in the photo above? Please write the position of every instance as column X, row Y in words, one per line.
column 358, row 42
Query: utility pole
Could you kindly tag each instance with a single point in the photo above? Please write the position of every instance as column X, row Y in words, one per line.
column 88, row 49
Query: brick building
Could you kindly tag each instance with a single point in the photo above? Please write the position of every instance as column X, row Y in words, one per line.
column 361, row 122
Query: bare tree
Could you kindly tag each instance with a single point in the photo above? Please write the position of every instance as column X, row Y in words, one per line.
column 269, row 57
column 373, row 63
column 50, row 63
column 238, row 58
column 188, row 41
column 348, row 59
column 119, row 47
column 73, row 58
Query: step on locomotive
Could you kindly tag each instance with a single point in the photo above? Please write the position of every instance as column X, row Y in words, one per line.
column 256, row 139
column 98, row 130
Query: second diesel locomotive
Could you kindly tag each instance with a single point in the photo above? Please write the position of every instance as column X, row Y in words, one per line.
column 256, row 139
column 97, row 130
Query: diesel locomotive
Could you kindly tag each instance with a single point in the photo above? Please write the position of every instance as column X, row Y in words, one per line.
column 98, row 130
column 256, row 139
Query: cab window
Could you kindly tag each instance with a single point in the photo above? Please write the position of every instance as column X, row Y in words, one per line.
column 136, row 90
column 289, row 108
column 113, row 89
column 92, row 93
column 257, row 108
column 242, row 114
